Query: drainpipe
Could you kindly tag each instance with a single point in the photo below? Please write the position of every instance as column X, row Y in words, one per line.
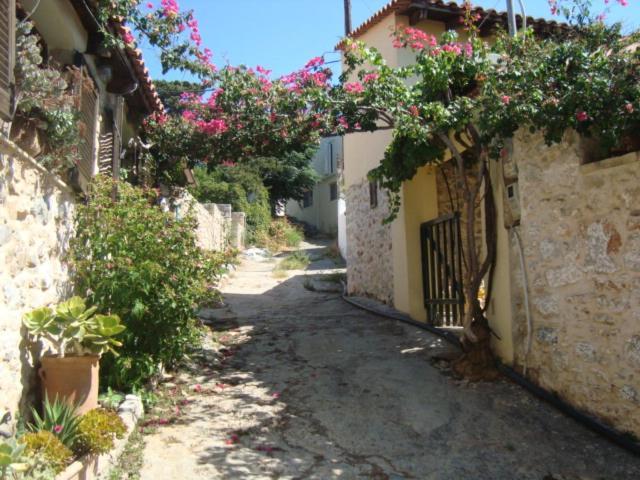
column 511, row 17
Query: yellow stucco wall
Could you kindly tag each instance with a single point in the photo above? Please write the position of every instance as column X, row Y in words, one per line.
column 363, row 152
column 420, row 204
column 58, row 23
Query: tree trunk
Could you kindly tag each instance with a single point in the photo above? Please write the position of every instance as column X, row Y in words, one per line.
column 477, row 362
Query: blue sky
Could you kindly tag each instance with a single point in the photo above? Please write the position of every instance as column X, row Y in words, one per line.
column 283, row 34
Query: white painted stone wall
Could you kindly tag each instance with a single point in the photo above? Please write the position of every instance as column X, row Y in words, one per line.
column 369, row 256
column 218, row 226
column 36, row 224
column 580, row 228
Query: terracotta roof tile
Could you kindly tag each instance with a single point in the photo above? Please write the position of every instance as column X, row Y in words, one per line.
column 455, row 9
column 142, row 72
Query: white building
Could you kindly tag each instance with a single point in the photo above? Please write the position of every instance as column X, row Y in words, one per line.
column 320, row 205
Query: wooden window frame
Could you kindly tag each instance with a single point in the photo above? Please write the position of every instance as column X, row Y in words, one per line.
column 8, row 27
column 86, row 89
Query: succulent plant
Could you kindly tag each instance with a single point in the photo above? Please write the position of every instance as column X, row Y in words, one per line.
column 75, row 329
column 59, row 418
column 11, row 458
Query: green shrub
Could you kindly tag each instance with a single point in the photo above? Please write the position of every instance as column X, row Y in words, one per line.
column 144, row 265
column 280, row 235
column 97, row 432
column 111, row 399
column 59, row 418
column 48, row 447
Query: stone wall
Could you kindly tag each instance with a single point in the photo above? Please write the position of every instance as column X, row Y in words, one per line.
column 36, row 224
column 580, row 228
column 369, row 257
column 219, row 227
column 450, row 200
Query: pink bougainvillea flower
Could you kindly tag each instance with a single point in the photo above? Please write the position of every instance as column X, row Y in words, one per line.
column 582, row 116
column 314, row 62
column 263, row 70
column 128, row 38
column 506, row 99
column 149, row 5
column 353, row 87
column 370, row 77
column 58, row 429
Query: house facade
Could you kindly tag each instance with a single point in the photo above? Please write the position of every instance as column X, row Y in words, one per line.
column 112, row 93
column 319, row 208
column 566, row 286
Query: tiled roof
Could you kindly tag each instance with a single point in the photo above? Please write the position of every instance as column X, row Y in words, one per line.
column 142, row 73
column 451, row 8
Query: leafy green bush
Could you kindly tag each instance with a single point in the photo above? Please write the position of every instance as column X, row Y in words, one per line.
column 111, row 399
column 280, row 235
column 48, row 447
column 241, row 188
column 97, row 431
column 59, row 418
column 144, row 265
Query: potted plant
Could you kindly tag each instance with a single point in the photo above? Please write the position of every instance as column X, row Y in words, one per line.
column 77, row 337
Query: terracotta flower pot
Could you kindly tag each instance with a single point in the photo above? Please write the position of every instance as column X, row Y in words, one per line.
column 73, row 378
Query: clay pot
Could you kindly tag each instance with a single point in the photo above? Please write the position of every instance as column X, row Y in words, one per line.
column 73, row 379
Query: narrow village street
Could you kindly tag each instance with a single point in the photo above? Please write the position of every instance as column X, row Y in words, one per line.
column 313, row 388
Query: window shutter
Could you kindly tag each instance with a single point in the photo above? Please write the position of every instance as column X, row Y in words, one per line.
column 105, row 155
column 88, row 111
column 7, row 56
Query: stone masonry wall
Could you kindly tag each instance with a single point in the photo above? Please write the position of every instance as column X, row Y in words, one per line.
column 369, row 257
column 218, row 226
column 580, row 228
column 450, row 200
column 36, row 224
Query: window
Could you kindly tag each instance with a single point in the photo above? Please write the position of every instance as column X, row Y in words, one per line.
column 7, row 56
column 88, row 104
column 333, row 191
column 307, row 200
column 373, row 194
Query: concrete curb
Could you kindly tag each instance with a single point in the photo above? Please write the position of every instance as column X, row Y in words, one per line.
column 92, row 467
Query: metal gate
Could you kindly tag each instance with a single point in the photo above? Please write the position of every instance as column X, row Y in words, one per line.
column 443, row 293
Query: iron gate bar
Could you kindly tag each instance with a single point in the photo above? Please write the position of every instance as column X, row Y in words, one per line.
column 441, row 249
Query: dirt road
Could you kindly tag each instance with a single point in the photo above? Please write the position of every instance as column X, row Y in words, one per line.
column 309, row 387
